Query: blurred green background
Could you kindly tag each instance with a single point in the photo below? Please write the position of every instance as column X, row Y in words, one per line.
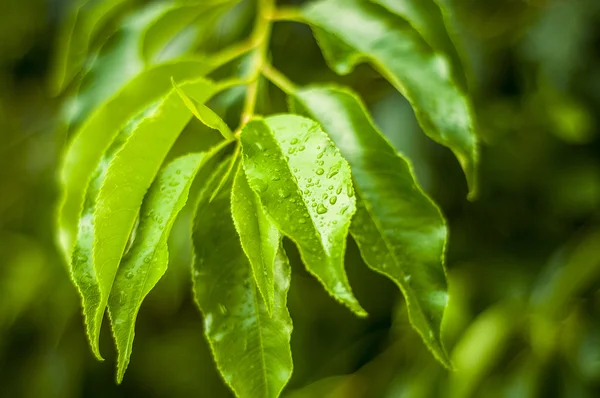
column 523, row 259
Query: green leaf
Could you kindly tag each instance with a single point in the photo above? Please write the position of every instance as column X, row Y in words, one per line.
column 83, row 272
column 400, row 232
column 258, row 234
column 426, row 17
column 119, row 198
column 95, row 136
column 182, row 26
column 205, row 114
column 79, row 30
column 147, row 259
column 106, row 73
column 251, row 347
column 306, row 188
column 364, row 31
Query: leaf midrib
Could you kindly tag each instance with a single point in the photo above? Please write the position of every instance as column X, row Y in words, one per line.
column 312, row 221
column 388, row 246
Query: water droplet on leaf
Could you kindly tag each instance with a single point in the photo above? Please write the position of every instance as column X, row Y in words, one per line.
column 321, row 209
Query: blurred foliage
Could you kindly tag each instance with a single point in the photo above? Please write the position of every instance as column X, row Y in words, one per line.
column 523, row 260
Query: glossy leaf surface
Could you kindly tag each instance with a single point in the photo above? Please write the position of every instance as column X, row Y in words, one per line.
column 82, row 268
column 121, row 193
column 258, row 234
column 426, row 17
column 399, row 230
column 251, row 347
column 147, row 259
column 306, row 188
column 362, row 31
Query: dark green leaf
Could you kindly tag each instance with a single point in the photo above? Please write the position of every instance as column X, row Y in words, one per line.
column 181, row 27
column 400, row 232
column 117, row 62
column 362, row 31
column 251, row 347
column 77, row 33
column 426, row 17
column 306, row 187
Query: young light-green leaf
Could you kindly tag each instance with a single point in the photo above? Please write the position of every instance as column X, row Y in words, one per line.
column 251, row 347
column 95, row 136
column 365, row 31
column 258, row 235
column 306, row 188
column 205, row 114
column 147, row 259
column 82, row 268
column 121, row 193
column 400, row 232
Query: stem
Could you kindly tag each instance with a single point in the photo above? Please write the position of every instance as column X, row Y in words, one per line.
column 278, row 79
column 225, row 177
column 237, row 50
column 292, row 14
column 261, row 37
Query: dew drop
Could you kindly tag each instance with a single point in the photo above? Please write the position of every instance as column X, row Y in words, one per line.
column 302, row 221
column 294, row 141
column 320, row 171
column 338, row 190
column 333, row 199
column 177, row 171
column 262, row 185
column 147, row 260
column 333, row 171
column 321, row 209
column 301, row 148
column 350, row 189
column 129, row 275
column 275, row 178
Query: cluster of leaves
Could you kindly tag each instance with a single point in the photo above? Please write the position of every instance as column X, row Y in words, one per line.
column 312, row 175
